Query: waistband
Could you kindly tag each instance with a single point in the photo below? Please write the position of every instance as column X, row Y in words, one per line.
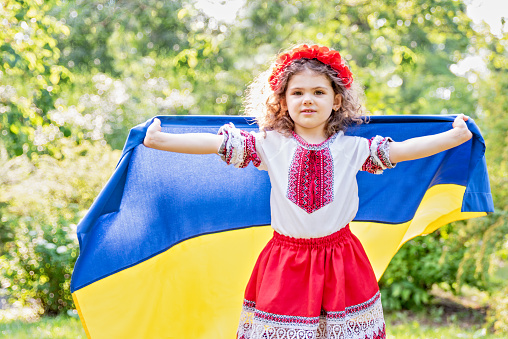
column 340, row 236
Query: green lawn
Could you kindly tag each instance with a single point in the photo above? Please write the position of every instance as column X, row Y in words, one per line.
column 403, row 325
column 61, row 327
column 435, row 325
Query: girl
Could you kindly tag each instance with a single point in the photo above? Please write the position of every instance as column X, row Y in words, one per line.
column 313, row 278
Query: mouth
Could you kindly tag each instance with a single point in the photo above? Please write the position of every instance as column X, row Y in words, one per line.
column 307, row 111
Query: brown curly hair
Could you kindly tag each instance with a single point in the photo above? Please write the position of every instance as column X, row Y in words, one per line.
column 265, row 104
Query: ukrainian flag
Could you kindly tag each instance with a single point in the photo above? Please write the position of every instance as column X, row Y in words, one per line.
column 170, row 242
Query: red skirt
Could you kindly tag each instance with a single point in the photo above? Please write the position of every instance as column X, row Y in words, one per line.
column 312, row 288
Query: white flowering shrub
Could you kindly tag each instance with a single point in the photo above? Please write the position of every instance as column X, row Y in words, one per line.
column 41, row 202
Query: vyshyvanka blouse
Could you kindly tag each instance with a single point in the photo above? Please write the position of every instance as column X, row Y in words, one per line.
column 314, row 190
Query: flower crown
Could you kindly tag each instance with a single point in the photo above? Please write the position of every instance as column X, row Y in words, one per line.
column 321, row 53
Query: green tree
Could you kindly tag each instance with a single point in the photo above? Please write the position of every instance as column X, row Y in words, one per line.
column 30, row 74
column 401, row 52
column 165, row 59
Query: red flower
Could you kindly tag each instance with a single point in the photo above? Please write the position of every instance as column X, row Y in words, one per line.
column 321, row 53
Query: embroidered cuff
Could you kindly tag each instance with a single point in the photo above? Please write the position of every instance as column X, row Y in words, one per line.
column 379, row 158
column 238, row 147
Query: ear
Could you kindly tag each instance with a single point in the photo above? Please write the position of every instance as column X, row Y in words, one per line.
column 283, row 105
column 337, row 102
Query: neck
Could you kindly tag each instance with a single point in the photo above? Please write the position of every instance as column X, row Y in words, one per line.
column 311, row 137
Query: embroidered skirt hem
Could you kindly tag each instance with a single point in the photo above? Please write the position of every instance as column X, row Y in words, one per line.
column 367, row 323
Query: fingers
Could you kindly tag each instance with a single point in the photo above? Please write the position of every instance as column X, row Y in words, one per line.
column 460, row 121
column 155, row 126
column 151, row 133
column 462, row 117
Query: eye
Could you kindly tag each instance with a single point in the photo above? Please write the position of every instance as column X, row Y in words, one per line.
column 297, row 93
column 320, row 92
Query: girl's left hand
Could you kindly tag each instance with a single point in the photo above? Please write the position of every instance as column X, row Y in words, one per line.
column 459, row 125
column 428, row 145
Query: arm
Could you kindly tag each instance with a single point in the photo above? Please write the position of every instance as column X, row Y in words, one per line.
column 192, row 143
column 422, row 147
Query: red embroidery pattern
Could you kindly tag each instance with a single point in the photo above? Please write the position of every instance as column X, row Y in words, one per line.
column 363, row 321
column 238, row 147
column 378, row 159
column 380, row 335
column 250, row 150
column 352, row 310
column 370, row 165
column 310, row 184
column 285, row 319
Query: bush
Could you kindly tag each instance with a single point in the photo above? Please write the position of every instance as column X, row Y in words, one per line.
column 412, row 272
column 41, row 202
column 497, row 314
column 458, row 254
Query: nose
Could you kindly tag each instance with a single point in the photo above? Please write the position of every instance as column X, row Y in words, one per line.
column 307, row 99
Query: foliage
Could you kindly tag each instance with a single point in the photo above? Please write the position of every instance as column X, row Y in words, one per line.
column 493, row 105
column 461, row 253
column 40, row 207
column 143, row 58
column 497, row 316
column 479, row 241
column 411, row 274
column 402, row 53
column 29, row 66
column 192, row 64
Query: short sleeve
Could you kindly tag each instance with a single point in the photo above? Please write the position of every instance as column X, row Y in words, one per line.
column 379, row 155
column 239, row 147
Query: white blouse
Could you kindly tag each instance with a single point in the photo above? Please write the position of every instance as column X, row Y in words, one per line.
column 314, row 189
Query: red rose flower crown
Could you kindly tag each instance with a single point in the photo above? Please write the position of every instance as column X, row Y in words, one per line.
column 321, row 53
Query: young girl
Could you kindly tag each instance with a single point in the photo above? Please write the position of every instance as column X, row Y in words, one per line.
column 313, row 278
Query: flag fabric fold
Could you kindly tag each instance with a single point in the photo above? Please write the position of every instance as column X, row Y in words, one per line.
column 167, row 247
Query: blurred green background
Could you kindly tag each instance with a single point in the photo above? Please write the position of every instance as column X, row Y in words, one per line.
column 75, row 76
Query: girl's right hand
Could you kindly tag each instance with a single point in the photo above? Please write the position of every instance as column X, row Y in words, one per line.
column 191, row 143
column 151, row 133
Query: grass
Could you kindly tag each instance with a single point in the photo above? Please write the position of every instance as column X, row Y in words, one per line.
column 433, row 323
column 61, row 327
column 449, row 316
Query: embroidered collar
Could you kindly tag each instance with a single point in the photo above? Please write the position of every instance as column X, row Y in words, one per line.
column 313, row 147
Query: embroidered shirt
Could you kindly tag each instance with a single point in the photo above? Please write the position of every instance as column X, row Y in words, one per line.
column 314, row 189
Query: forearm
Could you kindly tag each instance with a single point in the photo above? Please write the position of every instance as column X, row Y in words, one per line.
column 425, row 146
column 191, row 143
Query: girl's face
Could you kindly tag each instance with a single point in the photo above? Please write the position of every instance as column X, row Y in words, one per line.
column 309, row 99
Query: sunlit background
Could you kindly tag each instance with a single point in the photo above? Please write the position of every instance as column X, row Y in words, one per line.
column 75, row 76
column 489, row 11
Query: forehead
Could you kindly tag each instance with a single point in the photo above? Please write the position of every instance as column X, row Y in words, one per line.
column 309, row 78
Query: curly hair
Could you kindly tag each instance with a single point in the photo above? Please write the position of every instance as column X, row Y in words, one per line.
column 265, row 104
